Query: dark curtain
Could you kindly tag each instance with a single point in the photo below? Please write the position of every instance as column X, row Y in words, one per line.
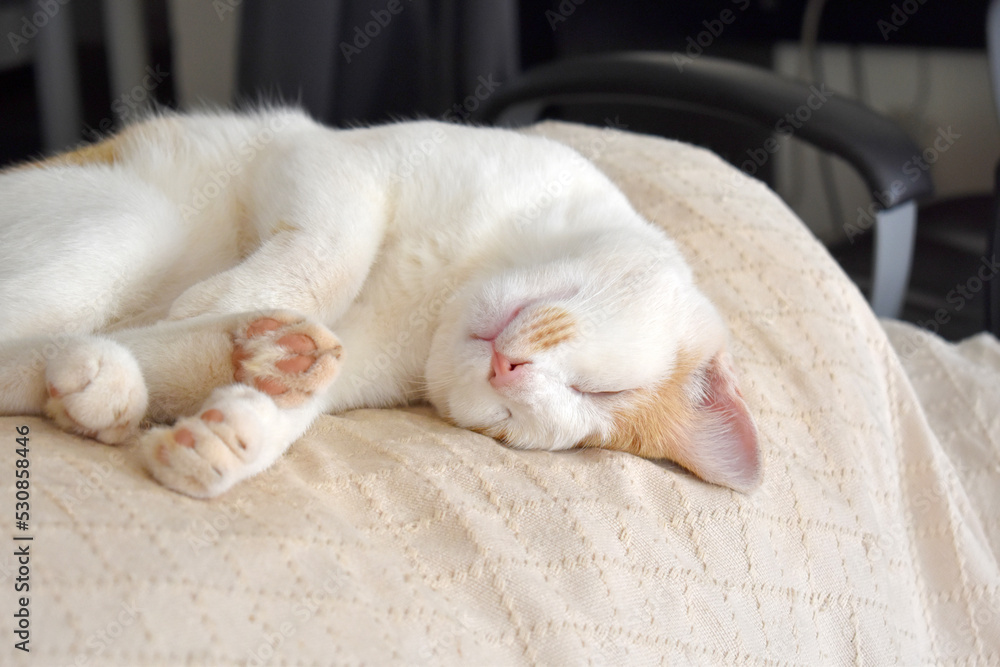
column 367, row 61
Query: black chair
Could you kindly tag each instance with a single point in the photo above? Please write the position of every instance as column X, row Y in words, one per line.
column 873, row 145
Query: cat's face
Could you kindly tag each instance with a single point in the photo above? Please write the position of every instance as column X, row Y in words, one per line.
column 621, row 353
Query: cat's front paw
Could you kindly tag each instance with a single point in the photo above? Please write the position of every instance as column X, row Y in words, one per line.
column 286, row 356
column 96, row 389
column 205, row 455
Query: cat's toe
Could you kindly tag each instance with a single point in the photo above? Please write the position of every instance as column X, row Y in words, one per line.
column 204, row 456
column 96, row 389
column 188, row 458
column 286, row 356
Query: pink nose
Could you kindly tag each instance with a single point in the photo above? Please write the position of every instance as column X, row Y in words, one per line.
column 504, row 372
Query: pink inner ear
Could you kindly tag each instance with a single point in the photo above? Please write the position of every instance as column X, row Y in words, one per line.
column 726, row 442
column 697, row 418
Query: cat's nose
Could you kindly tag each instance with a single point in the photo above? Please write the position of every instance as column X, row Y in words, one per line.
column 504, row 370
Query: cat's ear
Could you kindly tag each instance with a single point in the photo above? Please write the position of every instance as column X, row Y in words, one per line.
column 697, row 418
column 721, row 444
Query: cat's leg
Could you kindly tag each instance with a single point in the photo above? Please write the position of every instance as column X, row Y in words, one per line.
column 283, row 353
column 285, row 363
column 320, row 223
column 98, row 387
column 80, row 247
column 239, row 432
column 89, row 386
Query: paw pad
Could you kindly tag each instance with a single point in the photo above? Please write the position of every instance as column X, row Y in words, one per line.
column 230, row 440
column 286, row 357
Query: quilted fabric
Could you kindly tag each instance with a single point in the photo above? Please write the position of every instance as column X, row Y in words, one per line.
column 389, row 537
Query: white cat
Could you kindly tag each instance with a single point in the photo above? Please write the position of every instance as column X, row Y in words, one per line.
column 190, row 265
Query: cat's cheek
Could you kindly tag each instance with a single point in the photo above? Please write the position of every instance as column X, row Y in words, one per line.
column 549, row 420
column 460, row 391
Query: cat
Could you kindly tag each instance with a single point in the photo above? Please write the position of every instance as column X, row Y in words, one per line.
column 234, row 275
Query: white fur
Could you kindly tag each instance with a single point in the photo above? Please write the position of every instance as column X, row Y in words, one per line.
column 96, row 389
column 253, row 435
column 406, row 240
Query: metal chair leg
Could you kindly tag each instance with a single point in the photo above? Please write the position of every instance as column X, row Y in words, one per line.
column 895, row 233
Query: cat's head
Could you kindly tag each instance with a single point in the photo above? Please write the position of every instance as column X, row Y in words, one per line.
column 615, row 349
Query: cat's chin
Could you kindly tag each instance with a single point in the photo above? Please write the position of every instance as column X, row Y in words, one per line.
column 515, row 437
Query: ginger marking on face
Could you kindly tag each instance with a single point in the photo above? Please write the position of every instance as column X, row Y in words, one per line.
column 547, row 327
column 656, row 421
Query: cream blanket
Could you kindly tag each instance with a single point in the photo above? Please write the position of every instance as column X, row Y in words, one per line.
column 389, row 537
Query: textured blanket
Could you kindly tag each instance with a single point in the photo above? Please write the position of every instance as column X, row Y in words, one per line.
column 389, row 537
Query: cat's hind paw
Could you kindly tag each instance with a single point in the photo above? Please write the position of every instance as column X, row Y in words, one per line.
column 96, row 389
column 286, row 356
column 204, row 456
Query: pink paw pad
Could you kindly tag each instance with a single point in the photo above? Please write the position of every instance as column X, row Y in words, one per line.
column 184, row 438
column 288, row 358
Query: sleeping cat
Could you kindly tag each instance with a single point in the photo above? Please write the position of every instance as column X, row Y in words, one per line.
column 193, row 269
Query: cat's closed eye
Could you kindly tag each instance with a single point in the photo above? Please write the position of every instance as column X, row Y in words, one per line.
column 598, row 393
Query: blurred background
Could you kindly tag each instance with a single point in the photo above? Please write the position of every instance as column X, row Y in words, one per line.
column 74, row 70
